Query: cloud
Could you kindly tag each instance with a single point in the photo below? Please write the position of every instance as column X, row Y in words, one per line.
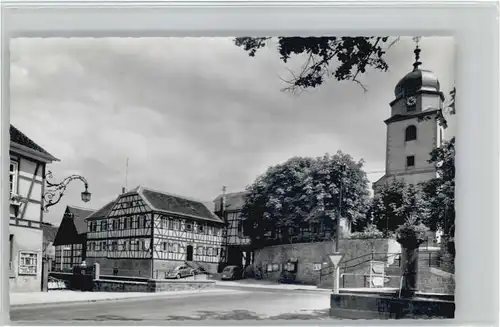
column 192, row 114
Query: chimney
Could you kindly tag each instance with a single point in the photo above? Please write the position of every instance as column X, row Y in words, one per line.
column 223, row 203
column 123, row 189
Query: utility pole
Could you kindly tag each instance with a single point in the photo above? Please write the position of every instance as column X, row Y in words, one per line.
column 339, row 215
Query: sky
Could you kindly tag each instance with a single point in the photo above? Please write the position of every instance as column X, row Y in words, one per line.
column 194, row 114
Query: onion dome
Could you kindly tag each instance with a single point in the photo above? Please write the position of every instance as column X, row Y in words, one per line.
column 417, row 80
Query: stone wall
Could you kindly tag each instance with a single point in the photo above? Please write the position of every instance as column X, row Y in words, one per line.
column 434, row 280
column 311, row 254
column 157, row 285
column 124, row 267
column 152, row 285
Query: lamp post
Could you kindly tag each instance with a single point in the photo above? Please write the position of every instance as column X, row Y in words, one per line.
column 56, row 191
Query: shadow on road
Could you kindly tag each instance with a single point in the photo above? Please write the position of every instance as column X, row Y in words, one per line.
column 224, row 315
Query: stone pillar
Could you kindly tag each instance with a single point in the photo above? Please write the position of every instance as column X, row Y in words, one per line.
column 409, row 270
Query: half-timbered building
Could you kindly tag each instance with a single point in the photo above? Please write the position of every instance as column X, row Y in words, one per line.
column 146, row 233
column 71, row 237
column 27, row 179
column 236, row 246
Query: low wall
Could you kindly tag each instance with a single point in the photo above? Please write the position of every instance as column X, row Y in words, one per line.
column 311, row 254
column 434, row 280
column 152, row 285
column 371, row 306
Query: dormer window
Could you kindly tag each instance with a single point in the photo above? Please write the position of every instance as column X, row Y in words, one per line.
column 410, row 133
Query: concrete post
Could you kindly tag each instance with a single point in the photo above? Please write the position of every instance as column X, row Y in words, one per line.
column 336, row 280
column 97, row 270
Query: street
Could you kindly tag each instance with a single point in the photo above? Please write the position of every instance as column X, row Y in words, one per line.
column 239, row 304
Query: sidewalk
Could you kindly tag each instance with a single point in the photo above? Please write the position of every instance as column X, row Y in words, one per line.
column 252, row 283
column 66, row 296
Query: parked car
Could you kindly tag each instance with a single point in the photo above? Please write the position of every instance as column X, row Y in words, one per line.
column 232, row 273
column 180, row 272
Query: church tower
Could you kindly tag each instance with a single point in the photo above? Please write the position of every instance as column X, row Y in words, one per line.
column 414, row 128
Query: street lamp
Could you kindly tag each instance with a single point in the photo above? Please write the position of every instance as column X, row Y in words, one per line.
column 55, row 191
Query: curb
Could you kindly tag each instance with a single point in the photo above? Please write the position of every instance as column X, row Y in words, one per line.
column 150, row 295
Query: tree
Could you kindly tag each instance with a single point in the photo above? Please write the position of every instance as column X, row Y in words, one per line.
column 439, row 193
column 341, row 58
column 396, row 203
column 303, row 191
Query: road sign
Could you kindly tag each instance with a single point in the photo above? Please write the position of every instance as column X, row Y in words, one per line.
column 335, row 258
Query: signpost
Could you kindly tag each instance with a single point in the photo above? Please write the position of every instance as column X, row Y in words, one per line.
column 335, row 258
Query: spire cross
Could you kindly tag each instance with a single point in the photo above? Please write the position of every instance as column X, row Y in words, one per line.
column 417, row 50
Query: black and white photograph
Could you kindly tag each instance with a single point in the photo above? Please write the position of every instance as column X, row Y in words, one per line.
column 198, row 179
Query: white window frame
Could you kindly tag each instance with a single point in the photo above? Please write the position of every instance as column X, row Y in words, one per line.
column 31, row 269
column 15, row 174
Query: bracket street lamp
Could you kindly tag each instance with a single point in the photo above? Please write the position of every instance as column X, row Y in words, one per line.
column 55, row 191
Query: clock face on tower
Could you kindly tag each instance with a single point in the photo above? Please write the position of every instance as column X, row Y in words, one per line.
column 411, row 101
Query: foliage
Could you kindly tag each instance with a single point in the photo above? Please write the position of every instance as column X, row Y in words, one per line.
column 396, row 203
column 302, row 191
column 341, row 58
column 439, row 193
column 412, row 232
column 370, row 231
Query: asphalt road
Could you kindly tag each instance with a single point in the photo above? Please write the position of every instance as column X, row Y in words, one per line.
column 237, row 304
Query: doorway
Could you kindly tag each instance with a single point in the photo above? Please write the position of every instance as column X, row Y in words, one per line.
column 189, row 253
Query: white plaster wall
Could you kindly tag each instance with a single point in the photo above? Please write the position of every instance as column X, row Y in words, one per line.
column 26, row 239
column 398, row 149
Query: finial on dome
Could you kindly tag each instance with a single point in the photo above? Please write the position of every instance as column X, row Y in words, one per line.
column 417, row 50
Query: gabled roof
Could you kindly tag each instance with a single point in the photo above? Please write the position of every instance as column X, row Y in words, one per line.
column 102, row 212
column 79, row 215
column 20, row 142
column 73, row 227
column 49, row 232
column 234, row 201
column 176, row 204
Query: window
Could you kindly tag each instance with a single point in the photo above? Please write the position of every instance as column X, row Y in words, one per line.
column 103, row 246
column 216, row 231
column 125, row 223
column 103, row 225
column 165, row 246
column 114, row 225
column 410, row 161
column 209, row 251
column 28, row 263
column 411, row 133
column 114, row 246
column 175, row 225
column 199, row 250
column 164, row 223
column 200, row 228
column 13, row 177
column 140, row 222
column 189, row 227
column 175, row 248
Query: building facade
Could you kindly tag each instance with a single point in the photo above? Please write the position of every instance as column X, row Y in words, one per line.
column 28, row 163
column 71, row 237
column 146, row 233
column 236, row 248
column 415, row 127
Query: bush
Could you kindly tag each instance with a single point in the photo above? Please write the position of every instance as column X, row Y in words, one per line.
column 411, row 234
column 369, row 232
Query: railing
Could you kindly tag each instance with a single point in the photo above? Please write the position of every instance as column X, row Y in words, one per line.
column 431, row 258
